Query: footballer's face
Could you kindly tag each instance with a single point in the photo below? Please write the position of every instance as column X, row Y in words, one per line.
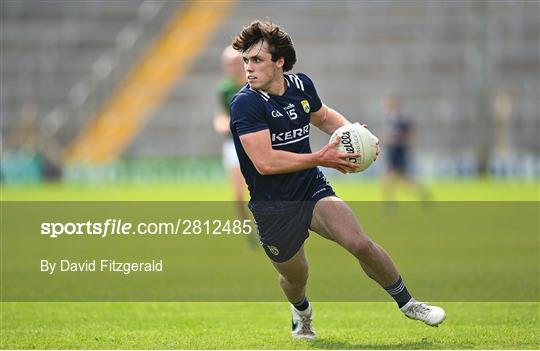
column 261, row 72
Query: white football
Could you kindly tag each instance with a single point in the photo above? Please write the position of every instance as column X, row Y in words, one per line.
column 356, row 138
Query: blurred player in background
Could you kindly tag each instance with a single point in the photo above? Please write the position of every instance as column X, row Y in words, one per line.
column 270, row 124
column 235, row 79
column 398, row 141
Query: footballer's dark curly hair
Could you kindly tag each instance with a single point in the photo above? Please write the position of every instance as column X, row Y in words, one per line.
column 279, row 42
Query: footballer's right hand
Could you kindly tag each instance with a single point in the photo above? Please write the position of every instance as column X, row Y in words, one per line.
column 330, row 157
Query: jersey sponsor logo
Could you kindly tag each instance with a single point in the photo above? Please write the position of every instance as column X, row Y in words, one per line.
column 276, row 114
column 291, row 136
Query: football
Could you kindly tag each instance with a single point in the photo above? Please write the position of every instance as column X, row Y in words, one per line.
column 356, row 138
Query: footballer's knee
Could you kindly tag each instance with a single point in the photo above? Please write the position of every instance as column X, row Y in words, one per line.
column 296, row 281
column 362, row 248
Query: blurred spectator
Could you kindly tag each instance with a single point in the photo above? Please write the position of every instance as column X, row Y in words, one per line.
column 235, row 78
column 398, row 140
column 29, row 153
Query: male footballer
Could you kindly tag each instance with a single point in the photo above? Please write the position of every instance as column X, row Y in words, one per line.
column 399, row 138
column 271, row 117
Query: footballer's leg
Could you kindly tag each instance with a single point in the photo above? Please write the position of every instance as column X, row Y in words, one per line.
column 293, row 276
column 237, row 179
column 388, row 185
column 334, row 220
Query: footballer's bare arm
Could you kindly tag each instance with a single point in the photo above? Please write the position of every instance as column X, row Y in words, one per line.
column 221, row 123
column 327, row 119
column 270, row 161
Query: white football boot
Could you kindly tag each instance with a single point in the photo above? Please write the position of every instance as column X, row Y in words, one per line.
column 301, row 324
column 431, row 315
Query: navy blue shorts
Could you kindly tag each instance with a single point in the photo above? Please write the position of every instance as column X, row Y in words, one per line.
column 283, row 226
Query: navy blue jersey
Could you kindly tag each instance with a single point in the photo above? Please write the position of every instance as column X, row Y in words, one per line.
column 397, row 147
column 400, row 128
column 287, row 117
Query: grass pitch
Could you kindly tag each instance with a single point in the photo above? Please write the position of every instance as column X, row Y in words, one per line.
column 241, row 325
column 262, row 326
column 351, row 189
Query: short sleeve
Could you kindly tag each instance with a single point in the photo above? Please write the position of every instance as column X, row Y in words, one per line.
column 247, row 114
column 310, row 90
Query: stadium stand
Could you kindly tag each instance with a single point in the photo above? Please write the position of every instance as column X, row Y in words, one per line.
column 67, row 58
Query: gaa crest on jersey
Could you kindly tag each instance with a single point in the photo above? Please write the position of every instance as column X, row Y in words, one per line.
column 305, row 106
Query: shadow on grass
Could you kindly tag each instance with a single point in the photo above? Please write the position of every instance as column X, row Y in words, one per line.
column 332, row 344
